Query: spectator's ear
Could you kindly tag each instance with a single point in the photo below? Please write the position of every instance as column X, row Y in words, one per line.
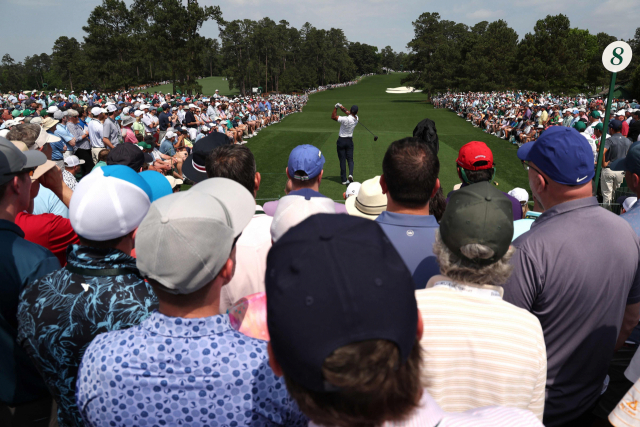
column 275, row 366
column 229, row 268
column 287, row 171
column 419, row 330
column 256, row 184
column 435, row 188
column 383, row 184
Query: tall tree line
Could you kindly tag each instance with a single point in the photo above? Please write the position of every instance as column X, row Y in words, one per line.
column 159, row 40
column 445, row 55
column 124, row 47
column 277, row 57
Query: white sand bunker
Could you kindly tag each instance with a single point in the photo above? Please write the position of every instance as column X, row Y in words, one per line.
column 403, row 89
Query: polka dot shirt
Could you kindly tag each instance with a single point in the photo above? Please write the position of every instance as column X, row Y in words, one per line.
column 189, row 372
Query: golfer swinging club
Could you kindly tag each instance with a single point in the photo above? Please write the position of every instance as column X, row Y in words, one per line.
column 345, row 139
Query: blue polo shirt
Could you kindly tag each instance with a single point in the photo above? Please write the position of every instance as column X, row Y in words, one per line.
column 413, row 237
column 62, row 132
column 57, row 148
column 47, row 202
column 21, row 263
column 167, row 148
column 632, row 216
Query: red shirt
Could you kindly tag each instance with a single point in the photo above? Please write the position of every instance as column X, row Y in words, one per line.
column 50, row 231
column 625, row 128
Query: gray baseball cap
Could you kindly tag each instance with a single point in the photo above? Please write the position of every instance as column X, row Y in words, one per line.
column 12, row 160
column 478, row 213
column 58, row 115
column 187, row 237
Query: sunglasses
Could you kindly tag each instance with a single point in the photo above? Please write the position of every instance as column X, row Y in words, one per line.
column 526, row 166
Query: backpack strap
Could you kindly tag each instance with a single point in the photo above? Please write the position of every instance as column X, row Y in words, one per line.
column 103, row 272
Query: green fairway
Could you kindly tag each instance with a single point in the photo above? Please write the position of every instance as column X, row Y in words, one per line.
column 389, row 116
column 209, row 86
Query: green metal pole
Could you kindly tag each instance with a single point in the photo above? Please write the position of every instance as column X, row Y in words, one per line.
column 605, row 128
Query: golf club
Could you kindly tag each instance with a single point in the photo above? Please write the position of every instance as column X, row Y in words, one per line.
column 375, row 137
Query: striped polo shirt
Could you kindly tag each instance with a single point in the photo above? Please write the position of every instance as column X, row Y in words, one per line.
column 480, row 350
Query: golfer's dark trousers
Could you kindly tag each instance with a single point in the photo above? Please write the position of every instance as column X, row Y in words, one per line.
column 345, row 152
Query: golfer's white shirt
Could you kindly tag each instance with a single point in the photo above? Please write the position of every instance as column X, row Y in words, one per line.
column 347, row 125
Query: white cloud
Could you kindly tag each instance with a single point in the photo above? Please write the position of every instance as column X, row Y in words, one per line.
column 485, row 14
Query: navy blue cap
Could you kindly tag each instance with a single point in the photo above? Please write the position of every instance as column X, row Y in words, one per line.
column 318, row 300
column 354, row 109
column 561, row 153
column 615, row 124
column 165, row 106
column 629, row 163
column 305, row 158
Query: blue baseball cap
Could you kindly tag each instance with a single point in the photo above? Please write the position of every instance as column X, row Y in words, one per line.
column 327, row 301
column 158, row 184
column 561, row 153
column 615, row 124
column 307, row 159
column 629, row 163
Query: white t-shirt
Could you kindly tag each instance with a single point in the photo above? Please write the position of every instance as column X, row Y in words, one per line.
column 347, row 125
column 95, row 134
column 592, row 143
column 591, row 128
column 251, row 261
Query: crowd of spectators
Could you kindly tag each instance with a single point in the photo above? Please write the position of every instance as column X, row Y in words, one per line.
column 522, row 117
column 126, row 301
column 336, row 85
column 164, row 126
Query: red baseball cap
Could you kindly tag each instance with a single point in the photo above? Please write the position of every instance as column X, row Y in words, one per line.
column 475, row 156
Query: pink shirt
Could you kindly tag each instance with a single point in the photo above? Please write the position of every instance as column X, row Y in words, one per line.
column 130, row 135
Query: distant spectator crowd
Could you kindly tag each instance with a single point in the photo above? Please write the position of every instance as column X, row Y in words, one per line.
column 523, row 117
column 337, row 85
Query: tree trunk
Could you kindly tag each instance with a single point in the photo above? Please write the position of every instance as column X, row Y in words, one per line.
column 266, row 68
column 70, row 82
column 211, row 67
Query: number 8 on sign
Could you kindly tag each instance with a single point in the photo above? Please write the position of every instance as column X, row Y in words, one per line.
column 616, row 57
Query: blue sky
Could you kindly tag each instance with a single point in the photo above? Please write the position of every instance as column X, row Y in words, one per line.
column 36, row 24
